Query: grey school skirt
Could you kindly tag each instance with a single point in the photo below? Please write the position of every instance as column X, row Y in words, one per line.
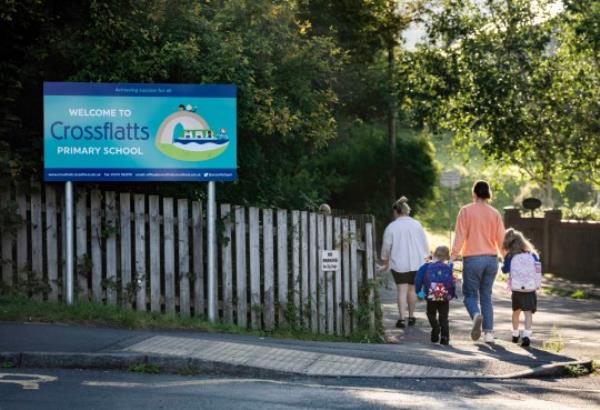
column 525, row 301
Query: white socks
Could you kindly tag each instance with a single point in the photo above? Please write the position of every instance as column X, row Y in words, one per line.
column 515, row 333
column 526, row 333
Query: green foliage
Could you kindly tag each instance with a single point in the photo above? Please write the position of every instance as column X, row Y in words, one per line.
column 509, row 76
column 146, row 368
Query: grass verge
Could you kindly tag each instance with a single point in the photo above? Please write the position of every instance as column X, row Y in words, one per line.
column 20, row 308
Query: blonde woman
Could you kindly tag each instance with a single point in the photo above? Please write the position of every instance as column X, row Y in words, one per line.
column 403, row 251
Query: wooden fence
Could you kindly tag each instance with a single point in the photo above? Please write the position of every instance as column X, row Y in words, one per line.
column 148, row 252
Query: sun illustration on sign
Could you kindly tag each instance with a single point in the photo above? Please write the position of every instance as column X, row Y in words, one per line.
column 186, row 136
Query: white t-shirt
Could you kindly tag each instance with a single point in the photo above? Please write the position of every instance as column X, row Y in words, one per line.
column 405, row 244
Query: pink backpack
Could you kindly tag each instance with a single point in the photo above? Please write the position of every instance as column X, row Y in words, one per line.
column 525, row 273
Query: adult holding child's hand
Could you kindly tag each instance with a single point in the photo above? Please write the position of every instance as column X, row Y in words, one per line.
column 479, row 234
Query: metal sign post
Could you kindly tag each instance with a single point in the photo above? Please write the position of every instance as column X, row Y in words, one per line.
column 211, row 216
column 69, row 240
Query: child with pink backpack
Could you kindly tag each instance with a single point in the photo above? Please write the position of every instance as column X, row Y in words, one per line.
column 525, row 276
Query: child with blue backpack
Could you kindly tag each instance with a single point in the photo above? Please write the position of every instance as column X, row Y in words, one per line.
column 525, row 269
column 434, row 282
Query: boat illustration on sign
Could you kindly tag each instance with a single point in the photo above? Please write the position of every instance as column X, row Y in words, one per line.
column 186, row 136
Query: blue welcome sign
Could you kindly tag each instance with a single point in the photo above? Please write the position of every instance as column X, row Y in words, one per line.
column 139, row 132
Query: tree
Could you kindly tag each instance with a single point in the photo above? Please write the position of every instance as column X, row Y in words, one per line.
column 515, row 86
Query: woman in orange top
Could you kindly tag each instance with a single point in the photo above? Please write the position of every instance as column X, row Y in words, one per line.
column 479, row 234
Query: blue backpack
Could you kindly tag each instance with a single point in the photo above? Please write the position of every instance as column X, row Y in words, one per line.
column 438, row 282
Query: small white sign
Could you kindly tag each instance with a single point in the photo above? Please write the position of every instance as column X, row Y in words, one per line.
column 330, row 260
column 450, row 179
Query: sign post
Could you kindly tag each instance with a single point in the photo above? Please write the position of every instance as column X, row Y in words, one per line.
column 451, row 180
column 98, row 132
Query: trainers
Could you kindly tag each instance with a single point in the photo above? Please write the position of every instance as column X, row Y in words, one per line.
column 515, row 339
column 435, row 336
column 488, row 337
column 412, row 321
column 400, row 324
column 476, row 329
column 445, row 341
column 526, row 342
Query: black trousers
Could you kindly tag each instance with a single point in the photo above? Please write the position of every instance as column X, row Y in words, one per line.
column 441, row 309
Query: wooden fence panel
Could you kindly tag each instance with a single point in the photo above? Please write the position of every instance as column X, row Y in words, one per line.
column 354, row 277
column 240, row 266
column 313, row 273
column 111, row 247
column 198, row 252
column 125, row 237
column 328, row 286
column 346, row 299
column 140, row 251
column 22, row 242
column 226, row 258
column 255, row 305
column 282, row 265
column 321, row 290
column 169, row 248
column 7, row 247
column 83, row 269
column 184, row 257
column 369, row 267
column 337, row 299
column 304, row 269
column 296, row 278
column 154, row 232
column 37, row 252
column 268, row 288
column 96, row 230
column 52, row 242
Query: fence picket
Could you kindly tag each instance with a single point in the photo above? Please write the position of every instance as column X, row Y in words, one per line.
column 240, row 266
column 197, row 258
column 282, row 265
column 346, row 276
column 96, row 227
column 51, row 242
column 7, row 247
column 296, row 278
column 255, row 305
column 370, row 267
column 313, row 272
column 140, row 251
column 169, row 244
column 353, row 277
column 22, row 242
column 154, row 231
column 321, row 279
column 83, row 269
column 337, row 280
column 184, row 258
column 304, row 268
column 125, row 234
column 268, row 288
column 226, row 248
column 37, row 252
column 111, row 246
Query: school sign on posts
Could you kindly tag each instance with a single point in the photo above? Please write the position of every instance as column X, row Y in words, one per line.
column 139, row 132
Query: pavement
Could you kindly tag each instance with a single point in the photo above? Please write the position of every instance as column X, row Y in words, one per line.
column 572, row 325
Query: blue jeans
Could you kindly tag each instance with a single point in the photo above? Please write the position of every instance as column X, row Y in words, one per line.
column 479, row 273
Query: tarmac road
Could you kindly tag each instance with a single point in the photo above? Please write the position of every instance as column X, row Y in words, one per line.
column 75, row 389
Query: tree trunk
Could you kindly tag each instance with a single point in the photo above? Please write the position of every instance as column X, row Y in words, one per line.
column 547, row 196
column 392, row 121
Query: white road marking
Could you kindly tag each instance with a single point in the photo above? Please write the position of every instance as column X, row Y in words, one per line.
column 26, row 380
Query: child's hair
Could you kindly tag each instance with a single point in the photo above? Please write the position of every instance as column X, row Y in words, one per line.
column 515, row 242
column 441, row 253
column 482, row 189
column 401, row 206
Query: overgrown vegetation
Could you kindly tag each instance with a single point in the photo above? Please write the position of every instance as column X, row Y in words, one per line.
column 20, row 308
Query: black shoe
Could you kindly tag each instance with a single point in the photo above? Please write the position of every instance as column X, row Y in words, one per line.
column 400, row 324
column 412, row 321
column 526, row 342
column 435, row 336
column 515, row 339
column 445, row 341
